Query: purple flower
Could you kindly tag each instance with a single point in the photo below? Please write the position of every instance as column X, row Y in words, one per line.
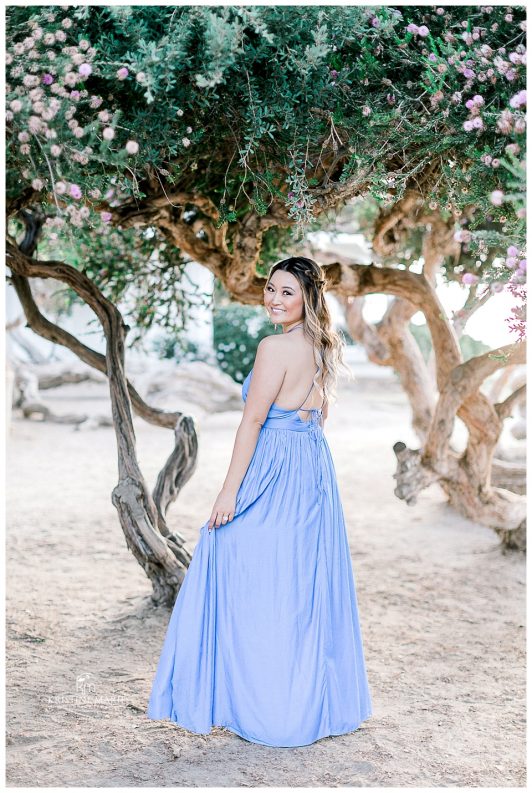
column 334, row 74
column 47, row 79
column 468, row 73
column 375, row 22
column 122, row 73
column 423, row 30
column 411, row 28
column 75, row 191
column 468, row 125
column 85, row 69
column 522, row 265
column 106, row 216
column 512, row 251
column 469, row 278
column 432, row 57
column 518, row 99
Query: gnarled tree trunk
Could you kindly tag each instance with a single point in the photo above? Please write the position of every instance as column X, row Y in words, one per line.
column 160, row 552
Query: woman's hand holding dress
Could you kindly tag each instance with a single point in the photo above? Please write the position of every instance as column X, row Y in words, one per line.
column 225, row 504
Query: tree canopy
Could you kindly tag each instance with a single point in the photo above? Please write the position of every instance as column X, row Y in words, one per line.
column 219, row 126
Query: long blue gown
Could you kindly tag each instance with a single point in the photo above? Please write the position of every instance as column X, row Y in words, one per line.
column 264, row 638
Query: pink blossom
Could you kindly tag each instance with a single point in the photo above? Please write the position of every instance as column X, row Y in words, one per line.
column 185, row 142
column 75, row 191
column 366, row 110
column 469, row 278
column 478, row 123
column 423, row 30
column 16, row 105
column 85, row 69
column 132, row 147
column 468, row 73
column 522, row 265
column 55, row 150
column 468, row 125
column 106, row 216
column 497, row 197
column 412, row 28
column 108, row 133
column 37, row 184
column 47, row 79
column 60, row 188
column 511, row 262
column 512, row 251
column 518, row 99
column 122, row 73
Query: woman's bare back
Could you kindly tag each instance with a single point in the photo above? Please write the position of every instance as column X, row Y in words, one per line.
column 301, row 366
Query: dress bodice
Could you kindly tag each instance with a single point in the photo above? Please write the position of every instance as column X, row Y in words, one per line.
column 281, row 418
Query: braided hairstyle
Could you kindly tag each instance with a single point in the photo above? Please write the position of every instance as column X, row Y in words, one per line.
column 328, row 344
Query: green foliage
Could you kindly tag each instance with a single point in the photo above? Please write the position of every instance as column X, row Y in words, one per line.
column 237, row 332
column 179, row 349
column 244, row 106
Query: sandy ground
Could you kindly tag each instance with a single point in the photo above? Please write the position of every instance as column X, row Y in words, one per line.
column 442, row 614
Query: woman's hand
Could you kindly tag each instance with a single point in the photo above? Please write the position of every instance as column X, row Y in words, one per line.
column 223, row 510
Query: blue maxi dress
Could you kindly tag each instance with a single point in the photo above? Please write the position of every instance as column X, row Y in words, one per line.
column 264, row 637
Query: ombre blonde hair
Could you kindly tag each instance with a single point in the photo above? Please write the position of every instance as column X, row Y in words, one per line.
column 328, row 344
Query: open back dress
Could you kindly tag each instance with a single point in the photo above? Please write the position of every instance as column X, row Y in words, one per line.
column 264, row 637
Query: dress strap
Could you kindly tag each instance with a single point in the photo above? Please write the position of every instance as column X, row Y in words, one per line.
column 309, row 393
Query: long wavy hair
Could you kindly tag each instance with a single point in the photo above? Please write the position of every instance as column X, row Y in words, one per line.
column 328, row 344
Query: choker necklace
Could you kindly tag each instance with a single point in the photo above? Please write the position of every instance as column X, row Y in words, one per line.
column 295, row 326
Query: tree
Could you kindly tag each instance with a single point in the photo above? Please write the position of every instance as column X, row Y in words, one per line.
column 226, row 132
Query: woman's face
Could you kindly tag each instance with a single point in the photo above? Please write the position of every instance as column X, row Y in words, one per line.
column 283, row 298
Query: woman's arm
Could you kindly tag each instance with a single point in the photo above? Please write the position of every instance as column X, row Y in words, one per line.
column 265, row 384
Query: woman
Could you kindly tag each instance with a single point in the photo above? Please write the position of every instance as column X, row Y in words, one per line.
column 264, row 637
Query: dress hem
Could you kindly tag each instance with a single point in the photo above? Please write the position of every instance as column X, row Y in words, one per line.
column 241, row 734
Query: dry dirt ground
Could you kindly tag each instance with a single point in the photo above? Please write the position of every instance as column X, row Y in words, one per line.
column 442, row 614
